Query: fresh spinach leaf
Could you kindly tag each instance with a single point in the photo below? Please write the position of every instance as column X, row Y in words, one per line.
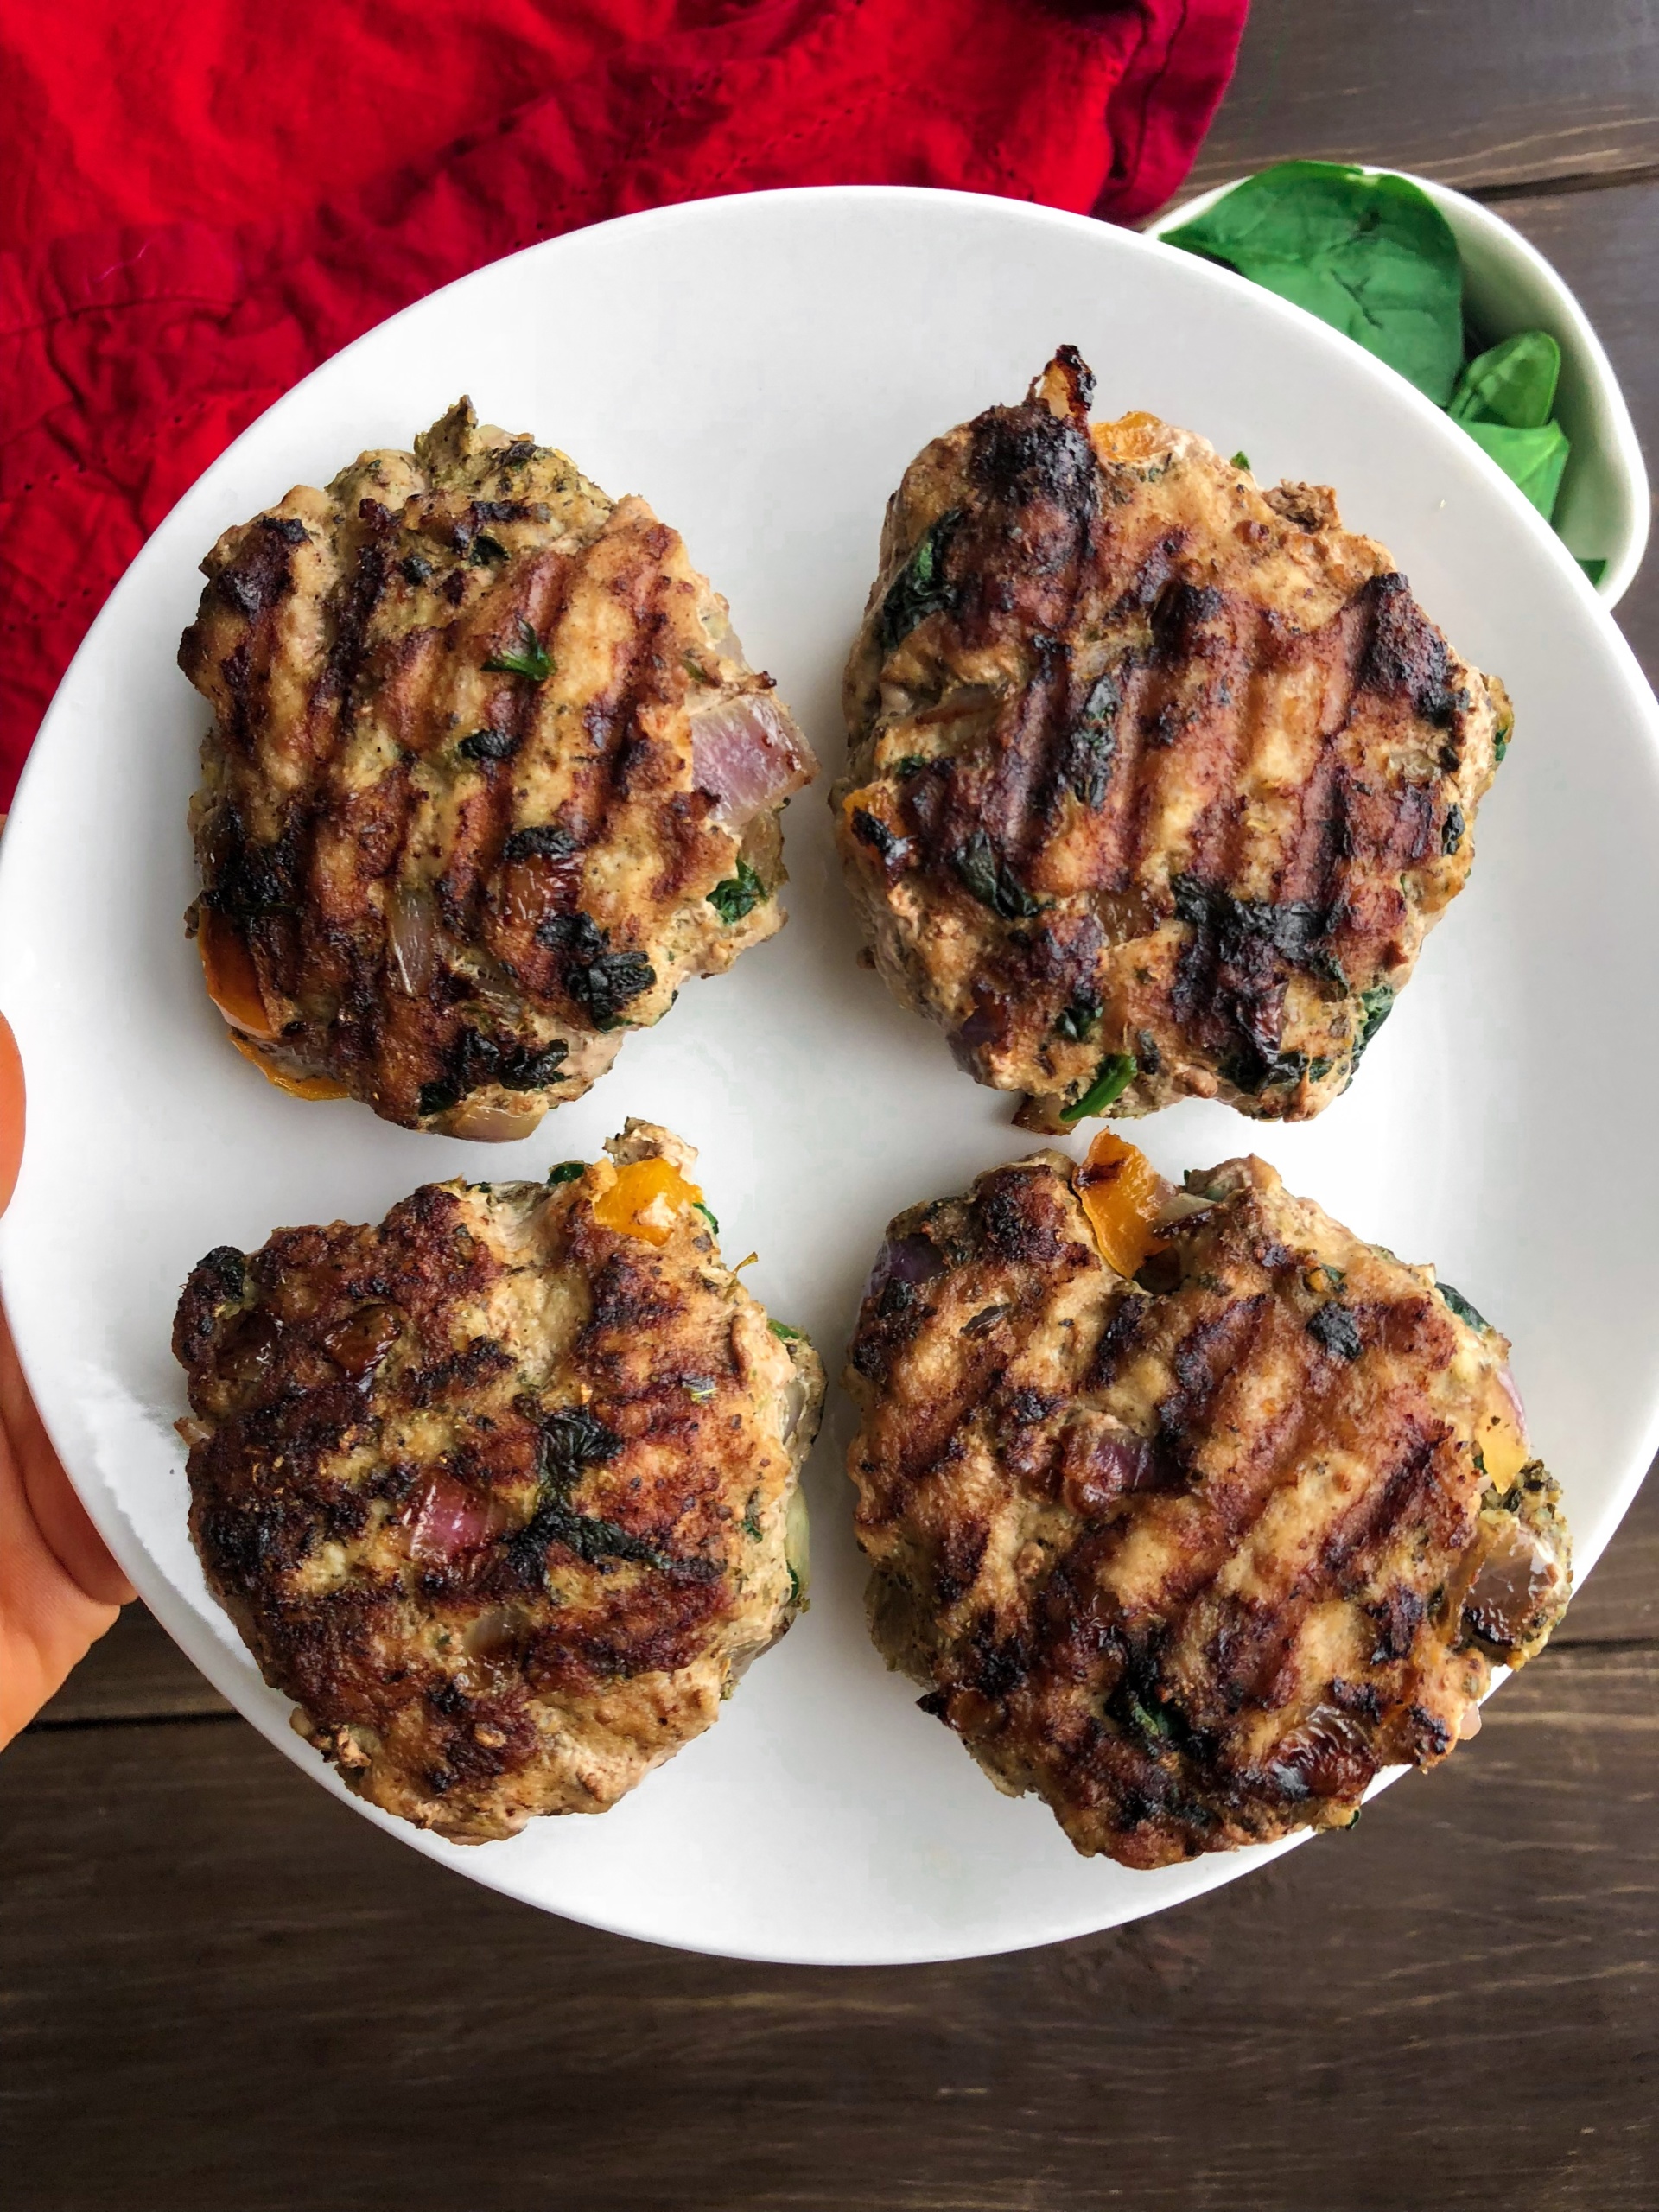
column 1534, row 460
column 1372, row 256
column 1113, row 1076
column 738, row 894
column 567, row 1172
column 1513, row 382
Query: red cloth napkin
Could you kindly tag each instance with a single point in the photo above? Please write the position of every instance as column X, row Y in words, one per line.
column 200, row 204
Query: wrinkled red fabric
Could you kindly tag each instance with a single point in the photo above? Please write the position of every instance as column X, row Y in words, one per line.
column 198, row 205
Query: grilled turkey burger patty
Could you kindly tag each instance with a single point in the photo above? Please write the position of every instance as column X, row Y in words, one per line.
column 1189, row 1511
column 1158, row 778
column 488, row 778
column 500, row 1492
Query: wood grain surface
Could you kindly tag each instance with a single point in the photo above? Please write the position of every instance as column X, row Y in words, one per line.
column 226, row 1990
column 218, row 1989
column 1492, row 95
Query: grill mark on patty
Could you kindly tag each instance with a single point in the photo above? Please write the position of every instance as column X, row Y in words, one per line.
column 1321, row 848
column 1031, row 734
column 632, row 761
column 1121, row 831
column 628, row 1633
column 604, row 716
column 1350, row 1552
column 1319, row 844
column 341, row 670
column 1036, row 476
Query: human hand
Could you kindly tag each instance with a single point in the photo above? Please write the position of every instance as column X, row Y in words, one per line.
column 59, row 1587
column 59, row 1590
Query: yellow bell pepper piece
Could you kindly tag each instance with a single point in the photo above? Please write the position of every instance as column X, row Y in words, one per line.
column 1122, row 1193
column 298, row 1086
column 1502, row 1442
column 645, row 1200
column 232, row 978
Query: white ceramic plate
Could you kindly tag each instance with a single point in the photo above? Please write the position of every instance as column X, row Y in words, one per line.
column 762, row 369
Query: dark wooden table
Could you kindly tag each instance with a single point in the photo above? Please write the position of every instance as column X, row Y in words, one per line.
column 220, row 1989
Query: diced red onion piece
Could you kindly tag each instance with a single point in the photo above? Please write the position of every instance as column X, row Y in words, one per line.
column 1503, row 1600
column 911, row 1260
column 747, row 755
column 987, row 1023
column 493, row 1631
column 449, row 1520
column 793, row 1405
column 1103, row 1466
column 1329, row 1756
column 966, row 699
column 486, row 1124
column 412, row 932
column 1507, row 1382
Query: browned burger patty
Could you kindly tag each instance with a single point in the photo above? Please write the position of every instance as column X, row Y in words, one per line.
column 1192, row 1556
column 500, row 1493
column 1158, row 780
column 489, row 778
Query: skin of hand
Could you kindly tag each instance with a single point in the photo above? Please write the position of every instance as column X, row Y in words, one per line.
column 60, row 1589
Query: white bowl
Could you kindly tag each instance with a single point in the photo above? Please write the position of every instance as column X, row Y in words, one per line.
column 1604, row 509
